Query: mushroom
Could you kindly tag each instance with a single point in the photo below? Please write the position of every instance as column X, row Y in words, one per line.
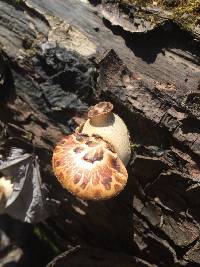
column 102, row 121
column 6, row 189
column 88, row 167
column 91, row 162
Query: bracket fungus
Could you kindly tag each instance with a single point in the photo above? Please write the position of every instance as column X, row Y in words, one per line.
column 91, row 162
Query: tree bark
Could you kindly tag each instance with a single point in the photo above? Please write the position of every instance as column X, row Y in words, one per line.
column 60, row 57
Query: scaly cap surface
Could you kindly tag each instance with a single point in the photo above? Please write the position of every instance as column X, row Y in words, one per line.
column 88, row 167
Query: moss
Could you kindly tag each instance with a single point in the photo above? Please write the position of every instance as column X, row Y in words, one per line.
column 188, row 13
column 18, row 1
column 43, row 237
column 185, row 12
column 191, row 6
column 137, row 2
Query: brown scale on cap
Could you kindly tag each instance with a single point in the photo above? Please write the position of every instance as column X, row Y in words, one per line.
column 88, row 168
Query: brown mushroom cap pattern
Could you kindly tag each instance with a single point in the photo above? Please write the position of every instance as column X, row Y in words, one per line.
column 88, row 167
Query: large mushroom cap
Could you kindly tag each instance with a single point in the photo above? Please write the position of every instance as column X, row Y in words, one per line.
column 88, row 167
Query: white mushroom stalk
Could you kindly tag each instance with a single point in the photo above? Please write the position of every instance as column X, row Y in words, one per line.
column 6, row 190
column 91, row 162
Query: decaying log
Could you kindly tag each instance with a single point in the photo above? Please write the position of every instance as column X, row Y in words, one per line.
column 58, row 58
column 77, row 255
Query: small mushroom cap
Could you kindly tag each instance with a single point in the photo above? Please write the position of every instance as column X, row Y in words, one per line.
column 102, row 121
column 88, row 167
column 100, row 109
